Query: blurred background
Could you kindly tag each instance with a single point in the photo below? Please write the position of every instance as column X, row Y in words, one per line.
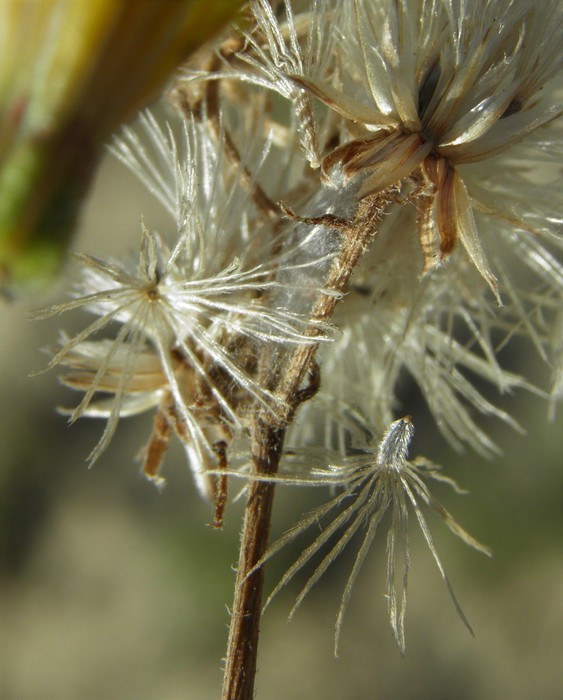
column 112, row 590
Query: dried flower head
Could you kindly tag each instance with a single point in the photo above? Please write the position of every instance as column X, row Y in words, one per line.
column 375, row 478
column 189, row 316
column 423, row 89
column 457, row 107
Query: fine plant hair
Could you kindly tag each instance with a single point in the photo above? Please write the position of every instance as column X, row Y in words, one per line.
column 350, row 187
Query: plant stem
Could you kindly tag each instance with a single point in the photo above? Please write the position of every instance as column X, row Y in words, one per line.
column 240, row 670
column 267, row 437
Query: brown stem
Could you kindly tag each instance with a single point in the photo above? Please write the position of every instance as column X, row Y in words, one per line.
column 181, row 99
column 267, row 442
column 242, row 648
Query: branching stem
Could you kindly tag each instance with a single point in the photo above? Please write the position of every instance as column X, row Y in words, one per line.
column 267, row 440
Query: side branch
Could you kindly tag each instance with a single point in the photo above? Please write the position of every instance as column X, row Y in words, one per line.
column 212, row 112
column 356, row 237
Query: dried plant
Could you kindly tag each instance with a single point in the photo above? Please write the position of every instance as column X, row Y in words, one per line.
column 351, row 188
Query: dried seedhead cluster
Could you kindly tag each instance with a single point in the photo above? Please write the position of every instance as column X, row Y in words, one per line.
column 352, row 193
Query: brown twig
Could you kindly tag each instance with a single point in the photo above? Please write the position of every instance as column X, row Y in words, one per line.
column 267, row 440
column 242, row 647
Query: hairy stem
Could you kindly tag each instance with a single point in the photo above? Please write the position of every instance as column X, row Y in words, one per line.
column 240, row 669
column 267, row 443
